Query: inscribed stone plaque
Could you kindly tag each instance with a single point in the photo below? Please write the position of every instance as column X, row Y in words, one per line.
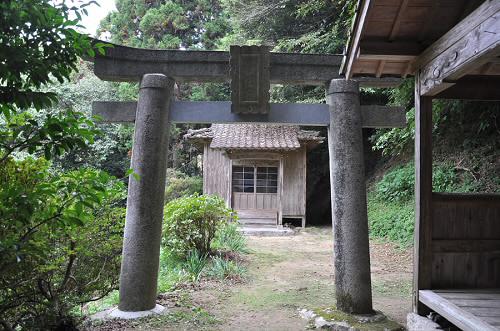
column 250, row 79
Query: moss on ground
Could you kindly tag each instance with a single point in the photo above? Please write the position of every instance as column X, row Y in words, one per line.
column 266, row 297
column 331, row 314
column 392, row 288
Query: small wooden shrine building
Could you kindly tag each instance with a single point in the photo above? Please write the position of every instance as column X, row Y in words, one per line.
column 258, row 169
column 452, row 47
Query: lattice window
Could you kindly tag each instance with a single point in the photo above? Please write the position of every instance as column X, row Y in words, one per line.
column 267, row 180
column 243, row 179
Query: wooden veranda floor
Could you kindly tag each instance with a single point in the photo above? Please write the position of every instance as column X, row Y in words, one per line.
column 467, row 309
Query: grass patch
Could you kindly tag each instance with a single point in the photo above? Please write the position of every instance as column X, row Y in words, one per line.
column 102, row 304
column 265, row 297
column 195, row 317
column 229, row 238
column 395, row 288
column 267, row 259
column 222, row 268
column 195, row 264
column 393, row 220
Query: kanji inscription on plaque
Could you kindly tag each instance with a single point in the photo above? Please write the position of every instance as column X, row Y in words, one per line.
column 250, row 82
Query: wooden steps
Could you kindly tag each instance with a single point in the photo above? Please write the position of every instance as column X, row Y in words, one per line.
column 258, row 218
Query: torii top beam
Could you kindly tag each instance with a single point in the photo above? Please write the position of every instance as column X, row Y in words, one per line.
column 122, row 63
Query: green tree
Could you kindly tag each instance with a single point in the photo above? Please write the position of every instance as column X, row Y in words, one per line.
column 176, row 24
column 39, row 44
column 317, row 26
column 166, row 24
column 60, row 242
column 110, row 149
column 50, row 221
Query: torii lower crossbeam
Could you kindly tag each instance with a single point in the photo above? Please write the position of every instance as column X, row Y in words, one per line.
column 208, row 112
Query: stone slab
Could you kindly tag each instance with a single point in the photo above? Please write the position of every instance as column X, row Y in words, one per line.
column 263, row 231
column 333, row 319
column 415, row 322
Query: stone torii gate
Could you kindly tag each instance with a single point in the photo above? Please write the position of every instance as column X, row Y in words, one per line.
column 251, row 70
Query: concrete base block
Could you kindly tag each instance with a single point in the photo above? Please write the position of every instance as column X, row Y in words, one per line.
column 415, row 322
column 127, row 315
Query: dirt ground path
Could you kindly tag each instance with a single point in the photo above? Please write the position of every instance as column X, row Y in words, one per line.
column 286, row 274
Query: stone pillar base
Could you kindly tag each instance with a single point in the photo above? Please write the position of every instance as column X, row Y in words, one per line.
column 127, row 315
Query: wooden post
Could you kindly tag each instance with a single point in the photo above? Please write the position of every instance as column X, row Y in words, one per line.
column 423, row 195
column 280, row 191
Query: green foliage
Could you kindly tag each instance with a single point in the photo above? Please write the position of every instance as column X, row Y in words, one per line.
column 171, row 271
column 51, row 134
column 192, row 222
column 195, row 263
column 60, row 241
column 459, row 126
column 109, row 150
column 210, row 92
column 40, row 46
column 38, row 43
column 398, row 184
column 180, row 185
column 229, row 238
column 317, row 26
column 390, row 219
column 166, row 24
column 223, row 268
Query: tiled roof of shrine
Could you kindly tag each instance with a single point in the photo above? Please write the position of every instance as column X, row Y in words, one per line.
column 254, row 136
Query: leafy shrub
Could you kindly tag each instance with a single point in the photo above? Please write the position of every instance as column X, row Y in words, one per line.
column 397, row 184
column 229, row 238
column 444, row 179
column 61, row 242
column 192, row 222
column 222, row 268
column 180, row 185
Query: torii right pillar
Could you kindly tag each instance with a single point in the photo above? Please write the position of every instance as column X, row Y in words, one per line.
column 348, row 188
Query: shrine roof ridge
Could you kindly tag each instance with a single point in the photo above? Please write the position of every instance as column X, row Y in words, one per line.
column 255, row 136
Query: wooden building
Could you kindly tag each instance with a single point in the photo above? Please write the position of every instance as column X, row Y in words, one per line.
column 452, row 47
column 258, row 169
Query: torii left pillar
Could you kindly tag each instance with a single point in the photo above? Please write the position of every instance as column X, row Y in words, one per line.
column 146, row 191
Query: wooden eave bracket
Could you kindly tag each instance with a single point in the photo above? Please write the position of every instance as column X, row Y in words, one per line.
column 471, row 43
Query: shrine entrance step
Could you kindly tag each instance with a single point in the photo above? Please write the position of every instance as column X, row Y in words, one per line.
column 266, row 231
column 259, row 217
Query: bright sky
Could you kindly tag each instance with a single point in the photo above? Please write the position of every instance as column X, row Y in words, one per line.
column 96, row 14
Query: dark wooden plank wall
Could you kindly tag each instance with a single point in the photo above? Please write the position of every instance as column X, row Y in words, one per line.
column 465, row 241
